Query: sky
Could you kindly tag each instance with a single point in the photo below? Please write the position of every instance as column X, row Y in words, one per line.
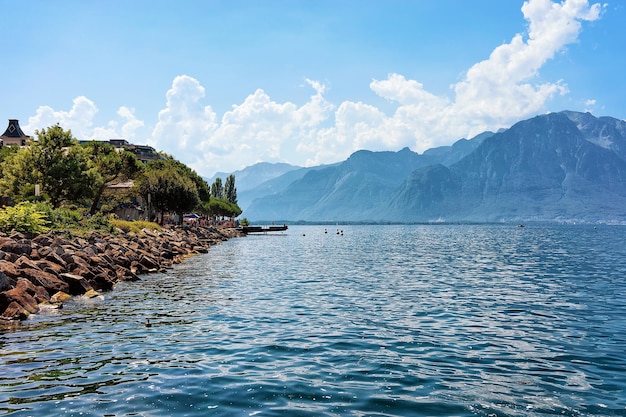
column 221, row 85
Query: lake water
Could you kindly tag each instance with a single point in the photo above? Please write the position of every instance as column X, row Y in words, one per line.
column 446, row 320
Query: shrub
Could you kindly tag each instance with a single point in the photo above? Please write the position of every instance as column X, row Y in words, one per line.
column 25, row 217
column 65, row 219
column 134, row 226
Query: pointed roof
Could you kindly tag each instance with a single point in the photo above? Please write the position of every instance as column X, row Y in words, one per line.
column 14, row 130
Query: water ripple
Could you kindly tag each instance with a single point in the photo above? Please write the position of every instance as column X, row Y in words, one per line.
column 382, row 321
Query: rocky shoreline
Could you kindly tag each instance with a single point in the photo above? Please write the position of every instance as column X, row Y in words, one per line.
column 49, row 269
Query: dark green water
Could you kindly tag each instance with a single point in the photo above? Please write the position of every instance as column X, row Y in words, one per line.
column 382, row 321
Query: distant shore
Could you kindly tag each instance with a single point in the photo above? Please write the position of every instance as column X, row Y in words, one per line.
column 51, row 268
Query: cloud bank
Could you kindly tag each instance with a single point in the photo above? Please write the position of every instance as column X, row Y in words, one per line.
column 493, row 93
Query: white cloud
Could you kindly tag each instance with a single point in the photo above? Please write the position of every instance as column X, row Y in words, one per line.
column 131, row 124
column 493, row 93
column 184, row 119
column 79, row 119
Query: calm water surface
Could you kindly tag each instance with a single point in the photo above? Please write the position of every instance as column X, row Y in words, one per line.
column 380, row 321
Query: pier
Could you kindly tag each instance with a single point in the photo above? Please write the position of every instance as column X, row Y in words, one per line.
column 261, row 229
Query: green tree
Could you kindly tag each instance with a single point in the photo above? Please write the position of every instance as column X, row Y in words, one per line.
column 221, row 208
column 230, row 191
column 217, row 189
column 108, row 166
column 7, row 151
column 168, row 190
column 19, row 175
column 62, row 166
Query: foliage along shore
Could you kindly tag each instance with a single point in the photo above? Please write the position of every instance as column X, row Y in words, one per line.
column 50, row 268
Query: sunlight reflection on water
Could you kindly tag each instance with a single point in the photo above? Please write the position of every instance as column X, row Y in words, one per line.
column 388, row 320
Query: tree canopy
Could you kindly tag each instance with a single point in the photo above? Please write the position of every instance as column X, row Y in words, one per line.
column 55, row 163
column 67, row 172
column 170, row 186
column 108, row 166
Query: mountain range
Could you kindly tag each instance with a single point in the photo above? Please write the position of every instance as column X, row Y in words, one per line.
column 566, row 167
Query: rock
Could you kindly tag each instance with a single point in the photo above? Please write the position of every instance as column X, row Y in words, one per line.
column 125, row 274
column 103, row 281
column 200, row 249
column 50, row 267
column 8, row 256
column 15, row 235
column 148, row 262
column 76, row 283
column 24, row 298
column 14, row 311
column 25, row 262
column 92, row 294
column 45, row 279
column 60, row 297
column 17, row 247
column 9, row 269
column 55, row 258
column 5, row 282
column 44, row 240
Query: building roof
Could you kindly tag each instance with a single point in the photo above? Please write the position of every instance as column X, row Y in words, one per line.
column 14, row 130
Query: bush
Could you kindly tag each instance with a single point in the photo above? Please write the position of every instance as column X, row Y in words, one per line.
column 134, row 226
column 65, row 219
column 25, row 217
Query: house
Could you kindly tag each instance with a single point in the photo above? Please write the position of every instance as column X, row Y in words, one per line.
column 143, row 153
column 14, row 135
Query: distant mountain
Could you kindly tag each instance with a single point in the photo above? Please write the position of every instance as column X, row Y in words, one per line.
column 564, row 166
column 355, row 189
column 249, row 180
column 254, row 175
column 272, row 186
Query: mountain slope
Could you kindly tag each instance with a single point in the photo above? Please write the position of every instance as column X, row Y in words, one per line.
column 355, row 189
column 560, row 166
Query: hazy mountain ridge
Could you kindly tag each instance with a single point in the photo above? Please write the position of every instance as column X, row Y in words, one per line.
column 545, row 168
column 356, row 189
column 565, row 166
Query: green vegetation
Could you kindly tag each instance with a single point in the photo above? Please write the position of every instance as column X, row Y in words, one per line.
column 57, row 183
column 134, row 226
column 108, row 167
column 25, row 218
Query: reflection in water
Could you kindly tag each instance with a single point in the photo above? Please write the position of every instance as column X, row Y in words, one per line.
column 387, row 320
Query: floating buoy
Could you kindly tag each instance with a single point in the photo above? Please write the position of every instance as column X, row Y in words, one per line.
column 148, row 324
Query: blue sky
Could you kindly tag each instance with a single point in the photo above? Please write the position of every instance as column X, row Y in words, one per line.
column 221, row 85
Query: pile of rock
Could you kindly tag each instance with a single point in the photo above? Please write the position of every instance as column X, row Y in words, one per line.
column 50, row 268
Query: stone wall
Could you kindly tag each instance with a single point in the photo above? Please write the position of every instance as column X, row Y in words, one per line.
column 51, row 268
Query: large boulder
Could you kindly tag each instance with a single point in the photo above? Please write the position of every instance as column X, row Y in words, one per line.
column 22, row 300
column 10, row 269
column 18, row 247
column 45, row 279
column 77, row 284
column 5, row 282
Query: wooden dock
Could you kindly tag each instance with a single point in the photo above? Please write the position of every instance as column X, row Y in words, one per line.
column 262, row 229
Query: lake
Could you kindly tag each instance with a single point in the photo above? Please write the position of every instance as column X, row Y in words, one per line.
column 419, row 320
